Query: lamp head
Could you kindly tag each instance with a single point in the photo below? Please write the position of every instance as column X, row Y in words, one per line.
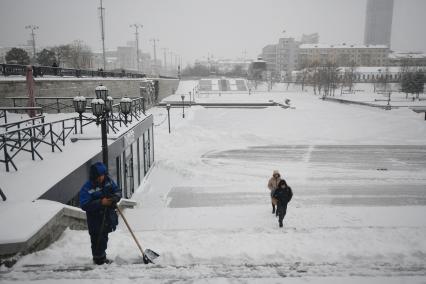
column 101, row 92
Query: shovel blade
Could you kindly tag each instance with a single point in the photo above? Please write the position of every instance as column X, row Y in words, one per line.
column 149, row 256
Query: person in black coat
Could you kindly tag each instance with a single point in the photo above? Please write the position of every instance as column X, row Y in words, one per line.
column 99, row 197
column 283, row 194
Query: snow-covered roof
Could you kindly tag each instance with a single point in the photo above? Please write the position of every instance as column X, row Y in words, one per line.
column 396, row 55
column 339, row 46
column 375, row 69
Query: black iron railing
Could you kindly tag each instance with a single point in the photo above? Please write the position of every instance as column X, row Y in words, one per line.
column 29, row 139
column 22, row 123
column 40, row 71
column 64, row 104
column 4, row 110
column 56, row 104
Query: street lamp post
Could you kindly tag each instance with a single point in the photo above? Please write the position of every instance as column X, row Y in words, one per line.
column 143, row 105
column 377, row 78
column 388, row 106
column 183, row 105
column 100, row 110
column 79, row 103
column 125, row 107
column 102, row 107
column 168, row 115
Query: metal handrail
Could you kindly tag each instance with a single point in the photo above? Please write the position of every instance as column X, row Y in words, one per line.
column 18, row 123
column 57, row 105
column 16, row 109
column 39, row 125
column 16, row 69
column 28, row 139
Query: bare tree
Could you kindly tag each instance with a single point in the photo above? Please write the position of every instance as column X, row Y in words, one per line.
column 74, row 55
column 80, row 55
column 328, row 78
column 314, row 76
column 62, row 53
column 303, row 74
column 348, row 77
column 383, row 80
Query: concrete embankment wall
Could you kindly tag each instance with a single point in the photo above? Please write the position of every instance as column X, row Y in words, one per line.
column 63, row 87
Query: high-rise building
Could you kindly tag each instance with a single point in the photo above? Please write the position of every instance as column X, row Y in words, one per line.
column 269, row 54
column 378, row 22
column 281, row 58
column 287, row 55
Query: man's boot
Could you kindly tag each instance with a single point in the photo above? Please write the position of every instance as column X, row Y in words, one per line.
column 101, row 260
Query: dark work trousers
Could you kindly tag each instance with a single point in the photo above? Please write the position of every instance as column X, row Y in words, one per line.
column 273, row 206
column 282, row 210
column 99, row 244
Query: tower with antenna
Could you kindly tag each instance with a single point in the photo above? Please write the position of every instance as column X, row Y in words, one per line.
column 102, row 22
column 137, row 26
column 155, row 40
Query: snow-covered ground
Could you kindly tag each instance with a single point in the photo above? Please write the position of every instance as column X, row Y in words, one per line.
column 357, row 216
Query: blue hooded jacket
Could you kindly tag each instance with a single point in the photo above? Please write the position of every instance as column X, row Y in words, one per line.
column 99, row 217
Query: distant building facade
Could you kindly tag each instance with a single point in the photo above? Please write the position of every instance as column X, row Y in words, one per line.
column 269, row 55
column 343, row 55
column 378, row 22
column 229, row 65
column 281, row 58
column 287, row 56
column 407, row 59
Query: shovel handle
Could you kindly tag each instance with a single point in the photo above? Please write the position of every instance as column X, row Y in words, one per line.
column 2, row 195
column 130, row 230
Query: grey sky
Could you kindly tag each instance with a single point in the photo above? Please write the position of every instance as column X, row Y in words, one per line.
column 194, row 28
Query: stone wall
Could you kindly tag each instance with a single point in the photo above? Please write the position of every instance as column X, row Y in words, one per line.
column 85, row 87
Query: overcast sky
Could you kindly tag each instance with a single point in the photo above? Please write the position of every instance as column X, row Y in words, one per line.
column 196, row 28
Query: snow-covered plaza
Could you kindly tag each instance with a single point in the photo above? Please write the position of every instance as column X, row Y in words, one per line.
column 357, row 216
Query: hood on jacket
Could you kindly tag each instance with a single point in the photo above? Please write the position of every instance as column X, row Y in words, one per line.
column 96, row 170
column 276, row 172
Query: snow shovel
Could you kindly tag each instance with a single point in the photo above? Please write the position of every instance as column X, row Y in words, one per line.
column 2, row 195
column 148, row 255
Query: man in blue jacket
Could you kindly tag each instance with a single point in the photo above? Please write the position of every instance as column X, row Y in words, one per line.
column 99, row 197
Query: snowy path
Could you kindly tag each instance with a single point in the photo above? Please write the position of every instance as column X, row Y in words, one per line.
column 357, row 213
column 337, row 242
